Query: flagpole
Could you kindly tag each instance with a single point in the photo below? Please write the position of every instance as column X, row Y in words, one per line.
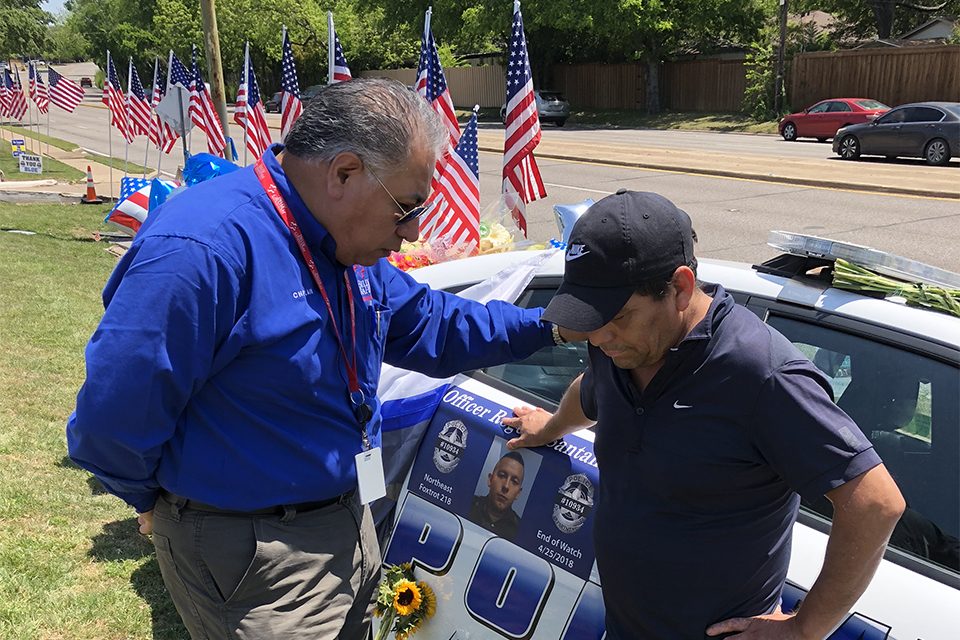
column 246, row 104
column 146, row 151
column 37, row 107
column 126, row 117
column 426, row 22
column 109, row 128
column 26, row 98
column 331, row 47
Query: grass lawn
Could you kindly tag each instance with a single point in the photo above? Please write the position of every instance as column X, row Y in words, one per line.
column 51, row 169
column 22, row 132
column 631, row 119
column 72, row 564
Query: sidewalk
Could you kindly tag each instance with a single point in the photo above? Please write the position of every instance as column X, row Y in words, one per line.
column 866, row 175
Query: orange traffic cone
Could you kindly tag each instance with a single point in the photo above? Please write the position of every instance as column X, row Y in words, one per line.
column 91, row 197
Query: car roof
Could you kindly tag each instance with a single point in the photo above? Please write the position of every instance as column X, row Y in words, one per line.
column 735, row 276
column 942, row 105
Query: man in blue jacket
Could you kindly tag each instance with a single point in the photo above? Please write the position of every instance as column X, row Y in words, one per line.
column 231, row 385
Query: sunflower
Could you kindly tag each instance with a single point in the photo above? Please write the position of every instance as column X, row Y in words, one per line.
column 430, row 598
column 406, row 597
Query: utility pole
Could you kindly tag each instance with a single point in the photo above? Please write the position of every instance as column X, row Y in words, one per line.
column 778, row 83
column 212, row 48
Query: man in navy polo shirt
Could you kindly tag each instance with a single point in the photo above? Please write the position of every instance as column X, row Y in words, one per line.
column 710, row 425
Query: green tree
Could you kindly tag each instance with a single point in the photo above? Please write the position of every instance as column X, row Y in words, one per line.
column 23, row 28
column 864, row 19
column 127, row 33
column 65, row 43
column 588, row 30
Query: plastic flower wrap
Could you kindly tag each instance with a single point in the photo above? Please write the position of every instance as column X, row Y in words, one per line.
column 497, row 234
column 403, row 603
column 495, row 238
column 412, row 255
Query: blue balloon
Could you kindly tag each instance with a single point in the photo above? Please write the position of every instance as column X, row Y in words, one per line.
column 568, row 214
column 205, row 166
column 159, row 192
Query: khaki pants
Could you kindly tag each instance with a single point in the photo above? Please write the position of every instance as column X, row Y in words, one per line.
column 310, row 576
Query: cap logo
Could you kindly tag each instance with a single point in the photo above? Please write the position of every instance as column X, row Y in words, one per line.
column 576, row 251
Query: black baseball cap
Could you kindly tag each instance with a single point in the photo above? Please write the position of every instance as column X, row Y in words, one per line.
column 628, row 238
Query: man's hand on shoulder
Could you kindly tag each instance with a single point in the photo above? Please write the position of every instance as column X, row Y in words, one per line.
column 774, row 626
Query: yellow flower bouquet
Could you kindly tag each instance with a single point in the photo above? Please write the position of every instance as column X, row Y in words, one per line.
column 403, row 603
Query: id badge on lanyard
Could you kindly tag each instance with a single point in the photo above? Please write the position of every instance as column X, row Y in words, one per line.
column 369, row 462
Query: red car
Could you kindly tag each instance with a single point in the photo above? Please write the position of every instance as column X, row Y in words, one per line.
column 822, row 120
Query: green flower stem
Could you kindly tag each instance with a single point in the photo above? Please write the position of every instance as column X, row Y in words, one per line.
column 386, row 624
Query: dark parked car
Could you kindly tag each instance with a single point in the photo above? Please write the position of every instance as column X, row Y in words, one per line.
column 822, row 120
column 86, row 82
column 928, row 130
column 273, row 104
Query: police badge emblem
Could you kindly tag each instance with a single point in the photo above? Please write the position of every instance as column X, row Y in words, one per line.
column 573, row 503
column 450, row 446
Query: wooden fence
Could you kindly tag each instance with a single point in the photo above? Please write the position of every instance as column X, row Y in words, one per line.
column 468, row 85
column 703, row 85
column 601, row 86
column 892, row 76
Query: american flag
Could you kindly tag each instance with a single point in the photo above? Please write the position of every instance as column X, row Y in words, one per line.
column 132, row 205
column 162, row 134
column 456, row 211
column 341, row 72
column 521, row 176
column 432, row 85
column 114, row 99
column 249, row 112
column 5, row 94
column 138, row 109
column 64, row 93
column 203, row 113
column 18, row 101
column 290, row 105
column 38, row 90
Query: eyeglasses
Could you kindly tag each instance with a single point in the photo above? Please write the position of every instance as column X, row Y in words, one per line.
column 406, row 215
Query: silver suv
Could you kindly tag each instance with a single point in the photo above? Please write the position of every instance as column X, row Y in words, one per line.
column 551, row 106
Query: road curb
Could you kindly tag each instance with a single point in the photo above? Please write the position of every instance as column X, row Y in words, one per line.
column 723, row 173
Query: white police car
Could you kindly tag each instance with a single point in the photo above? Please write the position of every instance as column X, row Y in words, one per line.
column 894, row 369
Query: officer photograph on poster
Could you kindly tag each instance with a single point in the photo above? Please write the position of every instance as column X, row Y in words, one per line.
column 499, row 498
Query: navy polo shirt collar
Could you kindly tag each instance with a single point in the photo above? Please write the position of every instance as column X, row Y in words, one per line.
column 316, row 235
column 720, row 306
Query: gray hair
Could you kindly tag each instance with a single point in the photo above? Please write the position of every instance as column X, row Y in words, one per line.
column 379, row 120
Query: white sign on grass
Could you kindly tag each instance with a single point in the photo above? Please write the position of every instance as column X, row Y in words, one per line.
column 30, row 164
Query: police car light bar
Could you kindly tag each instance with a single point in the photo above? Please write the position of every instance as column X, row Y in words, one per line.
column 879, row 261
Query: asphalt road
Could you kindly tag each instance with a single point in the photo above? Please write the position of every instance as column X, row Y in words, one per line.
column 733, row 144
column 732, row 217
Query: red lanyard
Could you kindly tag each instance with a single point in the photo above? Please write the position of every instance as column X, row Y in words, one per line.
column 361, row 408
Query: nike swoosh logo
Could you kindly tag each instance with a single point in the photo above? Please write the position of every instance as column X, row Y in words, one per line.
column 677, row 405
column 574, row 256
